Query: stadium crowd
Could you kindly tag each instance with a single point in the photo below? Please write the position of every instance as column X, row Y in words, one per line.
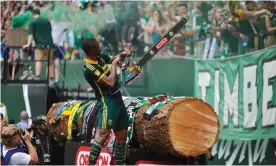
column 214, row 29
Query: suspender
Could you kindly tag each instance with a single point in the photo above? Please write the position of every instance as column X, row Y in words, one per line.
column 2, row 158
column 5, row 160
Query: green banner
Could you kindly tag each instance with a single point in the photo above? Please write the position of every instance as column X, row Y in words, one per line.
column 242, row 91
column 237, row 152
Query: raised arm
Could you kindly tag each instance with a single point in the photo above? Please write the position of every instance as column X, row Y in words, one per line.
column 256, row 13
column 31, row 149
column 268, row 26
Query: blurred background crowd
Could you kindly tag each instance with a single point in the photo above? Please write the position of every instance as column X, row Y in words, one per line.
column 139, row 25
column 214, row 29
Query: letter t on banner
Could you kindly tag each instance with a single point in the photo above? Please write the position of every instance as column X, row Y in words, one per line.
column 204, row 82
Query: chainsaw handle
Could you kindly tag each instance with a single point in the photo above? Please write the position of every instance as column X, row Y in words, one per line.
column 123, row 57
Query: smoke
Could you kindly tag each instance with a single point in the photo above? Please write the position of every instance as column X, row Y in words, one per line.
column 79, row 20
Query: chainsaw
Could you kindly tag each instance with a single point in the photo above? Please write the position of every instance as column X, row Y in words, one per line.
column 130, row 71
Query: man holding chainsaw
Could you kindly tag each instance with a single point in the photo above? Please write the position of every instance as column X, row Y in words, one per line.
column 112, row 111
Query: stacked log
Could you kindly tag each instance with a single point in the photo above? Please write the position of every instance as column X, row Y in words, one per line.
column 182, row 127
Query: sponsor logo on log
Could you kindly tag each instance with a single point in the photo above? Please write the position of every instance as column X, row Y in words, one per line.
column 82, row 157
column 161, row 43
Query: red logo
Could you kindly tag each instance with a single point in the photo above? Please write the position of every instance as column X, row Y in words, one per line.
column 82, row 156
column 104, row 159
column 161, row 43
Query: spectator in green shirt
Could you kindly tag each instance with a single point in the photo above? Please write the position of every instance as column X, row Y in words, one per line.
column 40, row 31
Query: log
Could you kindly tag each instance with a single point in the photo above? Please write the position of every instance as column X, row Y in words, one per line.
column 57, row 126
column 182, row 127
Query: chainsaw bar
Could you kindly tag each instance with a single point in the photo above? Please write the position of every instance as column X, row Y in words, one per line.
column 162, row 42
column 132, row 72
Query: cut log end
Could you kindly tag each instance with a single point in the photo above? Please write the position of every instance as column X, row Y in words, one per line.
column 193, row 127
